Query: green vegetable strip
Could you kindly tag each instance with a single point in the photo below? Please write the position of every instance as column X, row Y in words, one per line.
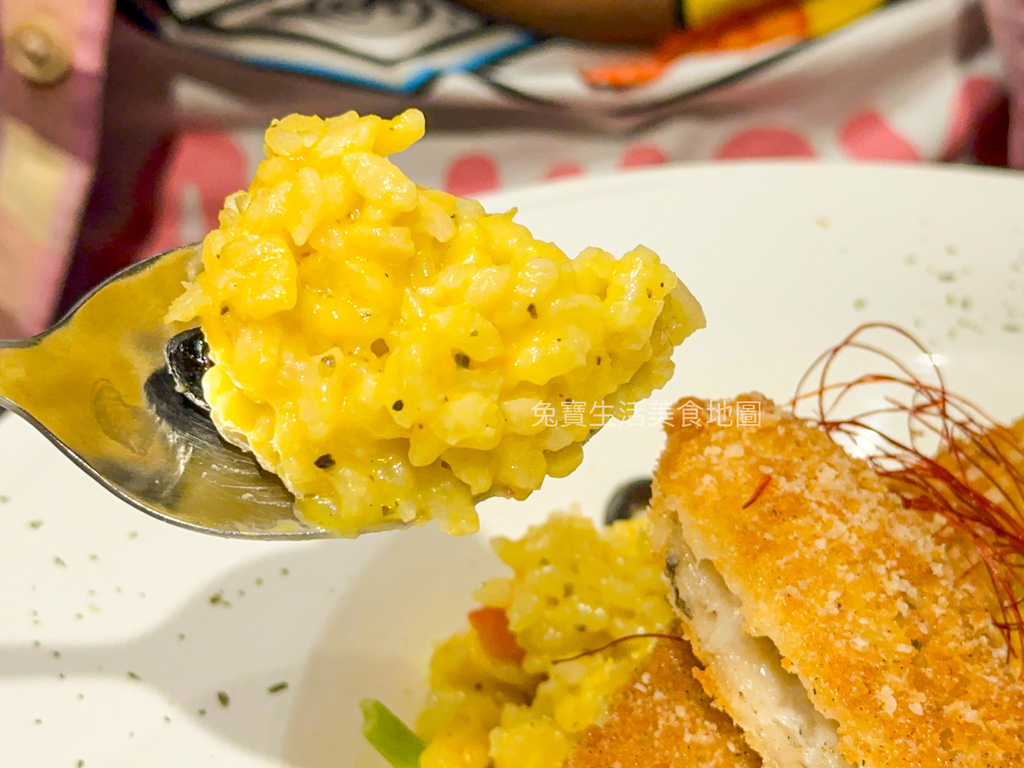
column 390, row 736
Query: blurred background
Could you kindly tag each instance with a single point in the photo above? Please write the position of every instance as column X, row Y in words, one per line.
column 124, row 124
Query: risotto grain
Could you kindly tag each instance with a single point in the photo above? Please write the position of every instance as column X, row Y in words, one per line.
column 395, row 353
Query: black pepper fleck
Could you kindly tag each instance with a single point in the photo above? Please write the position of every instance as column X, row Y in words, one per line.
column 324, row 462
column 462, row 359
column 532, row 309
column 397, row 405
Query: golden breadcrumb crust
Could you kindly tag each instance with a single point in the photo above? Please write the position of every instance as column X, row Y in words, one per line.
column 875, row 607
column 663, row 719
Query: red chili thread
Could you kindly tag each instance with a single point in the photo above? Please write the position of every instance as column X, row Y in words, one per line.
column 617, row 640
column 969, row 441
column 765, row 479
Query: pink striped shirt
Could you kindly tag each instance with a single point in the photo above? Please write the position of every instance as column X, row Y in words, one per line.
column 51, row 86
column 168, row 157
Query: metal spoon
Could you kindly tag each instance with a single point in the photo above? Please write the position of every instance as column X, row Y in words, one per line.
column 98, row 386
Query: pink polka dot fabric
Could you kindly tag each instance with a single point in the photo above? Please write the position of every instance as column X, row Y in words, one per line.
column 472, row 174
column 868, row 135
column 765, row 142
column 898, row 86
column 564, row 170
column 204, row 168
column 642, row 155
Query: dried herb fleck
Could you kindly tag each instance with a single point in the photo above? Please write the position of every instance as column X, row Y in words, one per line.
column 277, row 687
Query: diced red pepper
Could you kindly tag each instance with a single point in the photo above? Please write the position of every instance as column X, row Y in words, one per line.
column 491, row 624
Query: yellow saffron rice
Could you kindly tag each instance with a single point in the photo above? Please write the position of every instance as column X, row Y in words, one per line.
column 395, row 353
column 572, row 589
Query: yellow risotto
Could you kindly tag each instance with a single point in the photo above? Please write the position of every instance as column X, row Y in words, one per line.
column 497, row 698
column 395, row 353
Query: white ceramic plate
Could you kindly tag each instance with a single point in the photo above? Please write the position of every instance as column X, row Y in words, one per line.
column 113, row 644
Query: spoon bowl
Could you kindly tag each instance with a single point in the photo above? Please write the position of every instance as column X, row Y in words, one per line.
column 97, row 385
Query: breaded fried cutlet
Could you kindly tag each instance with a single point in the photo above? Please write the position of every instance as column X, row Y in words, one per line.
column 663, row 719
column 836, row 626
